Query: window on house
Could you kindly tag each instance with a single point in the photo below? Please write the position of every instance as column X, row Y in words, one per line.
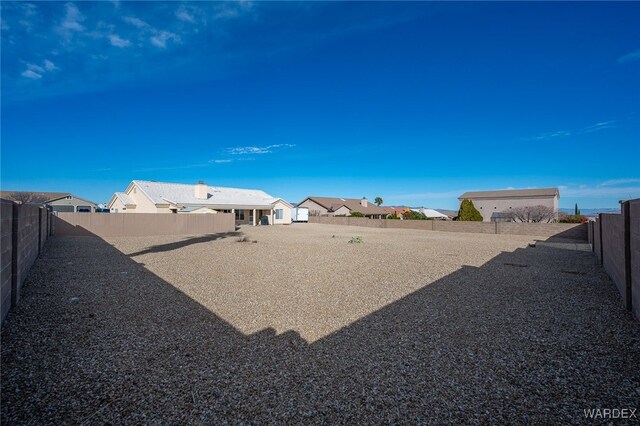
column 226, row 211
column 69, row 197
column 239, row 214
column 278, row 213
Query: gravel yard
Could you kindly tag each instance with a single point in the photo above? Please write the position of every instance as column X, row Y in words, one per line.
column 304, row 327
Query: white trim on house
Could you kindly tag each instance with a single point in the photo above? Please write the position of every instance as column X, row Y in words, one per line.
column 165, row 197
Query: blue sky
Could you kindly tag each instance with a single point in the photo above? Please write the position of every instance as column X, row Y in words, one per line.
column 412, row 102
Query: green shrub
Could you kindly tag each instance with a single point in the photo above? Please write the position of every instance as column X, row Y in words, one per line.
column 468, row 212
column 357, row 214
column 411, row 215
column 356, row 240
column 392, row 216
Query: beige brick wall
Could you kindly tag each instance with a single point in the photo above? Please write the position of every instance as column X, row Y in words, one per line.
column 6, row 226
column 545, row 230
column 141, row 224
column 597, row 241
column 613, row 249
column 22, row 242
column 562, row 230
column 635, row 256
column 472, row 227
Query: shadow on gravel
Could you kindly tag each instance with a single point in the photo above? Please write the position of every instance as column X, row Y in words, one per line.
column 186, row 242
column 100, row 339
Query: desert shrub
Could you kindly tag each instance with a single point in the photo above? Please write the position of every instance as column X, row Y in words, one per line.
column 411, row 215
column 392, row 216
column 246, row 239
column 468, row 212
column 357, row 214
column 356, row 240
column 573, row 219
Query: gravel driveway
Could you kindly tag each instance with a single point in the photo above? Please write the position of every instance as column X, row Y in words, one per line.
column 304, row 327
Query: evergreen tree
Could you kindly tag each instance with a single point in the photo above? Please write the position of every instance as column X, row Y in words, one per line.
column 468, row 212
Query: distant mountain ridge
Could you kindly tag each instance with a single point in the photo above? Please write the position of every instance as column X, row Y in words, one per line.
column 591, row 212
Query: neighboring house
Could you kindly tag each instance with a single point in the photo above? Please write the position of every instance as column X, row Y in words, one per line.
column 71, row 203
column 54, row 201
column 431, row 213
column 398, row 210
column 329, row 206
column 250, row 206
column 495, row 205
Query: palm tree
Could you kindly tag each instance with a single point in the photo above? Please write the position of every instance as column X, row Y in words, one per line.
column 378, row 201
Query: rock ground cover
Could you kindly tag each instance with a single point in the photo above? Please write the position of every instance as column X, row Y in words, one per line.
column 404, row 327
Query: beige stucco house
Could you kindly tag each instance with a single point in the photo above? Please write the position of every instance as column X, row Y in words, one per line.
column 495, row 205
column 250, row 206
column 330, row 206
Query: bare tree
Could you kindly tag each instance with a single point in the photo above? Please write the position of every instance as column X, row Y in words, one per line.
column 533, row 214
column 24, row 197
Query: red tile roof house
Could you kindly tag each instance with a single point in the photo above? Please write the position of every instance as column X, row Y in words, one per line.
column 329, row 206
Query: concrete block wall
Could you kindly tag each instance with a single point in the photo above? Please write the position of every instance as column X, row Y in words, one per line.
column 6, row 232
column 472, row 227
column 613, row 247
column 28, row 243
column 597, row 240
column 634, row 237
column 23, row 233
column 563, row 230
column 616, row 243
column 141, row 224
column 559, row 230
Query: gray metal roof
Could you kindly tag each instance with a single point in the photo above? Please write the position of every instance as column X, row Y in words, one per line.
column 183, row 194
column 512, row 193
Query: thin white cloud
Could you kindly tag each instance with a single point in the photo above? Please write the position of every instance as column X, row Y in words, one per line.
column 36, row 72
column 245, row 150
column 566, row 133
column 598, row 126
column 630, row 57
column 220, row 161
column 117, row 41
column 138, row 23
column 615, row 182
column 551, row 135
column 185, row 16
column 35, row 68
column 49, row 66
column 72, row 20
column 228, row 10
column 161, row 39
column 29, row 9
column 32, row 75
